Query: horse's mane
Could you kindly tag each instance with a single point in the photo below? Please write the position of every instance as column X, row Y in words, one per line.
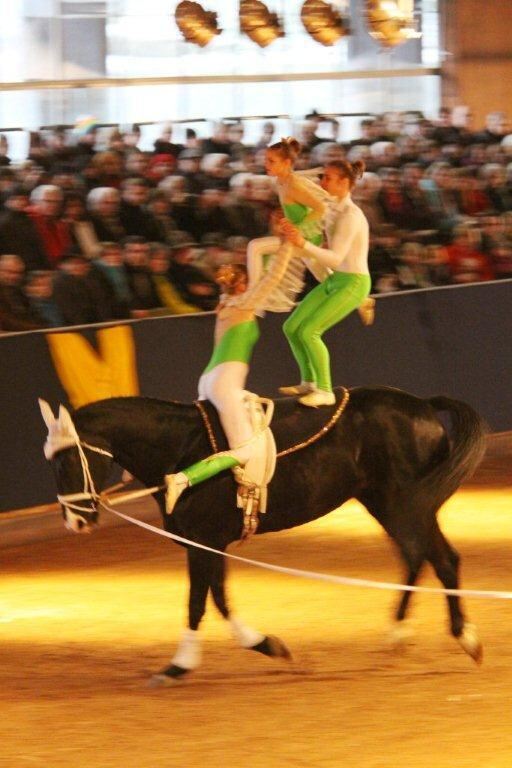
column 176, row 408
column 150, row 403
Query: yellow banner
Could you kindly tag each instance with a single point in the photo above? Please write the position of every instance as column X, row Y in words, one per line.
column 88, row 376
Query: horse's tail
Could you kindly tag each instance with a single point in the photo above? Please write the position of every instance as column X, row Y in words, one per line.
column 467, row 437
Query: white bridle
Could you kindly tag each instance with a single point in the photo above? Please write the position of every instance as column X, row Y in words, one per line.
column 89, row 492
column 62, row 434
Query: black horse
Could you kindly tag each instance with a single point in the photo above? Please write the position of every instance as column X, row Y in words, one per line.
column 390, row 450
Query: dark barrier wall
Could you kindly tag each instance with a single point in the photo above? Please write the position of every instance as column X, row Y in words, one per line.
column 453, row 341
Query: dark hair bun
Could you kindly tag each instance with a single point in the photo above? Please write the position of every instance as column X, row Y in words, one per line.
column 358, row 168
column 291, row 146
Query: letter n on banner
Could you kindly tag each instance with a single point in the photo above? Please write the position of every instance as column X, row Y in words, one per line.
column 88, row 376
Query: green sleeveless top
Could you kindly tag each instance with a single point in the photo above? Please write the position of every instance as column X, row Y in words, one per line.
column 311, row 230
column 236, row 345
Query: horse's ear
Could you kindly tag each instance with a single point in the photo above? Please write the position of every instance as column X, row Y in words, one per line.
column 47, row 413
column 65, row 421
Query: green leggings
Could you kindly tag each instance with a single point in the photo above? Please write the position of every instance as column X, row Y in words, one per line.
column 203, row 470
column 323, row 307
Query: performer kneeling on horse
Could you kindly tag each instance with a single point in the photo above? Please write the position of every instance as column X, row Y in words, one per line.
column 345, row 289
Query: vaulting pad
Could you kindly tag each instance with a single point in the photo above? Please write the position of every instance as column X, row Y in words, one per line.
column 290, row 418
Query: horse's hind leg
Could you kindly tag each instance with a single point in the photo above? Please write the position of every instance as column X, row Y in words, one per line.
column 401, row 631
column 407, row 530
column 414, row 557
column 245, row 636
column 445, row 561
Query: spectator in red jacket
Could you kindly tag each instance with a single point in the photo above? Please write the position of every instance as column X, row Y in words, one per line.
column 468, row 264
column 53, row 232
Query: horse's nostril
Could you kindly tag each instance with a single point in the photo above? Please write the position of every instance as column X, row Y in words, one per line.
column 80, row 524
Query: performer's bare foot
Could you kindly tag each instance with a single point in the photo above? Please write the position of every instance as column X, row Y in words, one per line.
column 367, row 311
column 298, row 389
column 317, row 398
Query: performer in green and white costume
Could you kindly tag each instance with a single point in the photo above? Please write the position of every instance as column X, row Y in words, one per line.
column 304, row 204
column 345, row 289
column 223, row 383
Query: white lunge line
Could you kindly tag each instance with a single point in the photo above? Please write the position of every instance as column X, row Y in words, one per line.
column 344, row 580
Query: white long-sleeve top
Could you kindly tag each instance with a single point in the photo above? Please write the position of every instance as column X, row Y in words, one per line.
column 347, row 234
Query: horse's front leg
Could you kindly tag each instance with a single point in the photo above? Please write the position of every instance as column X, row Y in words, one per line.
column 188, row 653
column 245, row 636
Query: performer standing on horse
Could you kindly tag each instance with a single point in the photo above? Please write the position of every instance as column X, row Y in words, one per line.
column 345, row 289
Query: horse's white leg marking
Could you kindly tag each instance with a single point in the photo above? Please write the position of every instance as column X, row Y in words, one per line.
column 244, row 635
column 399, row 633
column 470, row 642
column 188, row 655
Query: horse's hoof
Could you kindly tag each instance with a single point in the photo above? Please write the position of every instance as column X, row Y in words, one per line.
column 274, row 647
column 470, row 642
column 168, row 677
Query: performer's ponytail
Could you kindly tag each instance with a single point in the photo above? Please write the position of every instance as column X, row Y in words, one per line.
column 289, row 148
column 358, row 168
column 346, row 170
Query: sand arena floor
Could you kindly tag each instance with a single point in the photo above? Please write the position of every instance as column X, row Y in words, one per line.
column 85, row 619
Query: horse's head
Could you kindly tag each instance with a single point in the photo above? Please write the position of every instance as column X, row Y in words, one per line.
column 80, row 467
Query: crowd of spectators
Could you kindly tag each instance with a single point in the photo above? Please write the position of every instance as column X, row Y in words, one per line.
column 92, row 228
